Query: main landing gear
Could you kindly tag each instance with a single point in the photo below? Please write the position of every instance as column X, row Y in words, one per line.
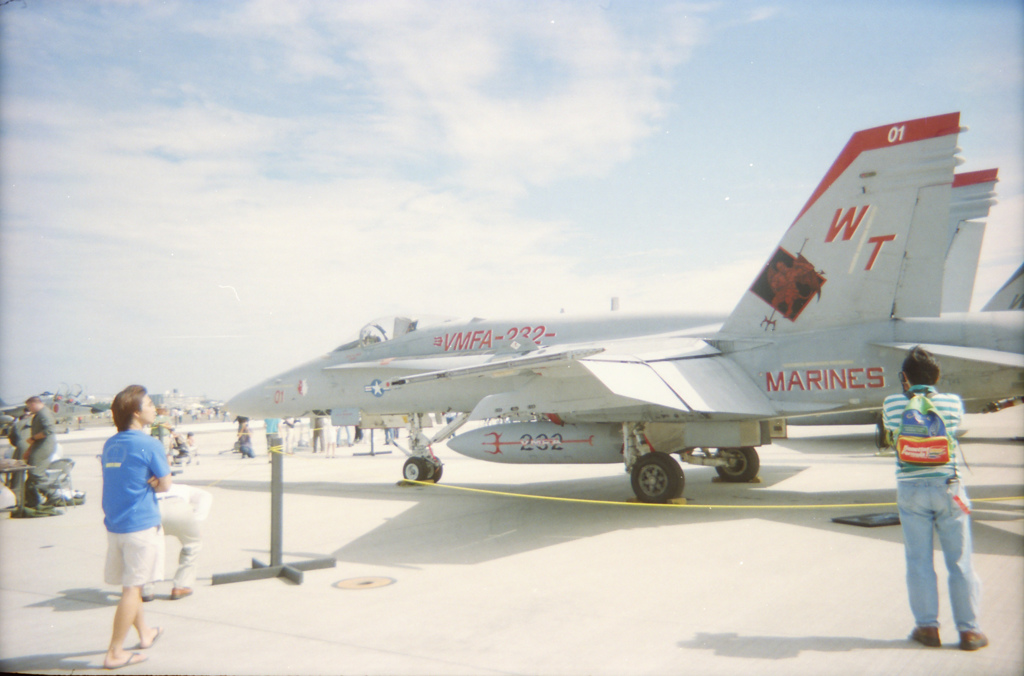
column 741, row 464
column 881, row 435
column 657, row 477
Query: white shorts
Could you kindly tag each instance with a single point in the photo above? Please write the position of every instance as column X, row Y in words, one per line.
column 135, row 559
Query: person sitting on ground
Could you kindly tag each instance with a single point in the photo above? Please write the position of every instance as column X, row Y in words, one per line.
column 245, row 441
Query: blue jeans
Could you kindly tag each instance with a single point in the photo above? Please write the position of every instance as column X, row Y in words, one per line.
column 927, row 506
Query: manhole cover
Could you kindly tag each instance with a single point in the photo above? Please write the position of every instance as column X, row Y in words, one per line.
column 364, row 583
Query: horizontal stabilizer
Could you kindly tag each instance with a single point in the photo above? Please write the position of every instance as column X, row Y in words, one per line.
column 972, row 354
column 714, row 386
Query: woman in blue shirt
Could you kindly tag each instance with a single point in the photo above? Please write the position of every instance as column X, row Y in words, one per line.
column 134, row 470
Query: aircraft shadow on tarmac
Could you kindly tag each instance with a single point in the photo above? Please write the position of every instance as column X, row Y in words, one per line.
column 833, row 444
column 969, row 438
column 79, row 599
column 447, row 526
column 62, row 663
column 786, row 647
column 859, row 443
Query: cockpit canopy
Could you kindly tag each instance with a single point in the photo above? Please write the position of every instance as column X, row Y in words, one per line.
column 388, row 328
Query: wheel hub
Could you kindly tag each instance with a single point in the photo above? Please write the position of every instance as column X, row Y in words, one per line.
column 653, row 479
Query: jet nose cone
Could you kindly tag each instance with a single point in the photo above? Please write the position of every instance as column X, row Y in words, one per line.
column 246, row 403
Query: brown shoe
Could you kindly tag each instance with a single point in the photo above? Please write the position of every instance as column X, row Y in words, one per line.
column 180, row 593
column 972, row 640
column 928, row 636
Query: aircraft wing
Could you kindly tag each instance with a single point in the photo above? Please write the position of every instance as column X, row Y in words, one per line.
column 689, row 381
column 500, row 367
column 9, row 412
column 613, row 390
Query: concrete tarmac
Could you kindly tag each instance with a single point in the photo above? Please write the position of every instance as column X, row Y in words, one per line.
column 746, row 579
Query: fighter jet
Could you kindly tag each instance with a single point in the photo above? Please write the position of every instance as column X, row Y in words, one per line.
column 854, row 283
column 972, row 196
column 1010, row 296
column 66, row 404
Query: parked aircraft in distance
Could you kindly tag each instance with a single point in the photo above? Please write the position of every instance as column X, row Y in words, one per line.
column 66, row 404
column 824, row 327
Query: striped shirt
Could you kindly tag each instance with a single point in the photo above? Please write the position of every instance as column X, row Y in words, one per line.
column 950, row 409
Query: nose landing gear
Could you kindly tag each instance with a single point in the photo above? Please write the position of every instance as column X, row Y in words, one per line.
column 422, row 469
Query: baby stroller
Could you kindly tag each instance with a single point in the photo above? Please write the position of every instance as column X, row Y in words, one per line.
column 56, row 490
column 182, row 451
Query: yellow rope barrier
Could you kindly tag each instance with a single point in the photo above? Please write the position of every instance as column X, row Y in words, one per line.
column 228, row 475
column 677, row 506
column 278, row 449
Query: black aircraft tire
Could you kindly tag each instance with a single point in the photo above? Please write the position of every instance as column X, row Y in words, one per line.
column 744, row 464
column 417, row 469
column 657, row 478
column 438, row 471
column 881, row 436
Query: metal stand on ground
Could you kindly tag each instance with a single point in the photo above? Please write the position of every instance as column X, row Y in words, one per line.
column 371, row 447
column 261, row 571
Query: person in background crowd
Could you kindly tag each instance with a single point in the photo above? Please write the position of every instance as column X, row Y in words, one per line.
column 273, row 438
column 42, row 447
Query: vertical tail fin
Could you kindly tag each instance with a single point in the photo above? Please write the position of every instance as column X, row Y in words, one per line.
column 878, row 219
column 973, row 196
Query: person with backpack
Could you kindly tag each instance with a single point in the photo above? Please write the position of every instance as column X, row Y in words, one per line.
column 922, row 423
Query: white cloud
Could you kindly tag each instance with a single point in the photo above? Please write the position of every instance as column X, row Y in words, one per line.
column 763, row 14
column 332, row 162
column 515, row 94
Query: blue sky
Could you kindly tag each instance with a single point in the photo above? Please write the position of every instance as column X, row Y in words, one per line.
column 199, row 195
